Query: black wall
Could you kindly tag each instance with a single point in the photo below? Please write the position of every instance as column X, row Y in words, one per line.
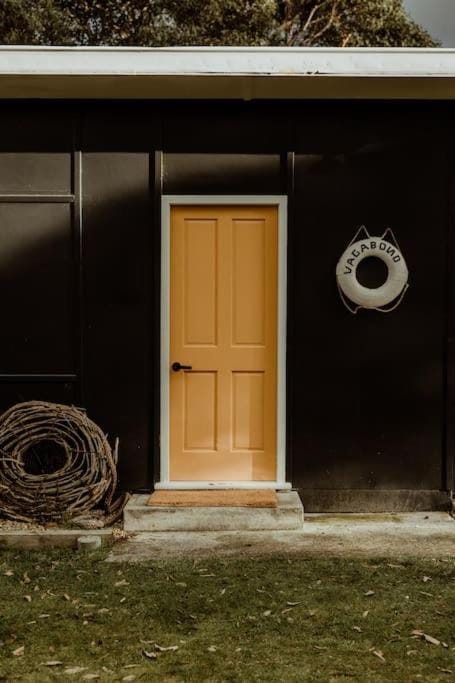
column 370, row 397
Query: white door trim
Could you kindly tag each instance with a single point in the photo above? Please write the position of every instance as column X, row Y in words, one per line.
column 167, row 202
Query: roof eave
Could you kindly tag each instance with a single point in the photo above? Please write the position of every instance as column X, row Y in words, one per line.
column 227, row 73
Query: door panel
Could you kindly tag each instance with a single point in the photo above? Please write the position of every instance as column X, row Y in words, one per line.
column 223, row 323
column 199, row 411
column 199, row 273
column 248, row 410
column 248, row 271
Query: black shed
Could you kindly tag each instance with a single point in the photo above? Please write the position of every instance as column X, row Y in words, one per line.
column 189, row 206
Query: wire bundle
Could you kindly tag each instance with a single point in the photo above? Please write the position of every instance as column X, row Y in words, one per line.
column 86, row 474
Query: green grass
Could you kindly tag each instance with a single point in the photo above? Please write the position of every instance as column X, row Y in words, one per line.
column 232, row 619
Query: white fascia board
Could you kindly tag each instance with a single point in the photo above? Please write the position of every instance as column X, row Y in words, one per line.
column 225, row 73
column 210, row 61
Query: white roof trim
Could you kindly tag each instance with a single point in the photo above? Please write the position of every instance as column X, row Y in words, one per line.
column 211, row 72
column 200, row 61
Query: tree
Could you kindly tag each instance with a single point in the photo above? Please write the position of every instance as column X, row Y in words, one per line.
column 171, row 22
column 210, row 22
column 354, row 23
column 34, row 22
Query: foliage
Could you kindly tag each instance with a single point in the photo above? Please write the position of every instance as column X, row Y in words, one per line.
column 35, row 22
column 171, row 22
column 353, row 23
column 209, row 22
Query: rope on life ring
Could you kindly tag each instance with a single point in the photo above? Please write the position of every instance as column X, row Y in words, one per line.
column 379, row 298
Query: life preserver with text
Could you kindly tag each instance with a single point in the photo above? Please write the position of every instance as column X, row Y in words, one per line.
column 397, row 277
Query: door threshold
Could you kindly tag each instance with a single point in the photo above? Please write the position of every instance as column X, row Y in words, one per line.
column 205, row 485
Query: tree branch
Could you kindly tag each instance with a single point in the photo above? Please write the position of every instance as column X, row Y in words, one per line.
column 329, row 23
column 311, row 15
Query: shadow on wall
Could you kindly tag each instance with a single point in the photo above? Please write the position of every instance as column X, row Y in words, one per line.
column 39, row 271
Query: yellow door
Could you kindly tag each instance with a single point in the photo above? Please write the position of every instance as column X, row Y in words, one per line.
column 223, row 324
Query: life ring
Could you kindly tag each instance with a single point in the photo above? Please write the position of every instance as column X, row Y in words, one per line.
column 397, row 278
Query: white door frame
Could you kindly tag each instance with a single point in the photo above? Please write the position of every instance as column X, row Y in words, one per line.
column 280, row 201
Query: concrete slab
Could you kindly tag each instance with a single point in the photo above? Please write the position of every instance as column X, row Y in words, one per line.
column 422, row 534
column 288, row 515
column 24, row 539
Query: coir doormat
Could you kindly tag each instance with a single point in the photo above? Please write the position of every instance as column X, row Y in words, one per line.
column 255, row 498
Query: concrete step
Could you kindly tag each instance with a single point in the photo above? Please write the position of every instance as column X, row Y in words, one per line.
column 288, row 515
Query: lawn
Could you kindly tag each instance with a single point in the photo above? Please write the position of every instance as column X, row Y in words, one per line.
column 76, row 617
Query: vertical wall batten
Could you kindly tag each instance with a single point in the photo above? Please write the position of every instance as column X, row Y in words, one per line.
column 156, row 189
column 448, row 482
column 79, row 265
column 289, row 189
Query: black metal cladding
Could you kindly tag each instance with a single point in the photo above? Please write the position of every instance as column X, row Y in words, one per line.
column 370, row 398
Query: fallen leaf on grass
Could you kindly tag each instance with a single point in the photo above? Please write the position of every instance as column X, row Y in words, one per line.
column 357, row 628
column 28, row 598
column 66, row 597
column 425, row 636
column 9, row 572
column 123, row 582
column 90, row 677
column 379, row 655
column 171, row 648
column 267, row 613
column 131, row 677
column 182, row 584
column 19, row 651
column 53, row 662
column 149, row 655
column 426, row 578
column 72, row 671
column 366, row 613
column 212, row 648
column 368, row 594
column 294, row 604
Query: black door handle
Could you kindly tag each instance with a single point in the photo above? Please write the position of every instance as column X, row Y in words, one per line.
column 177, row 367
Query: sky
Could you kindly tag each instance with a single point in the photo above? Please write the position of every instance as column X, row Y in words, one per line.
column 437, row 16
